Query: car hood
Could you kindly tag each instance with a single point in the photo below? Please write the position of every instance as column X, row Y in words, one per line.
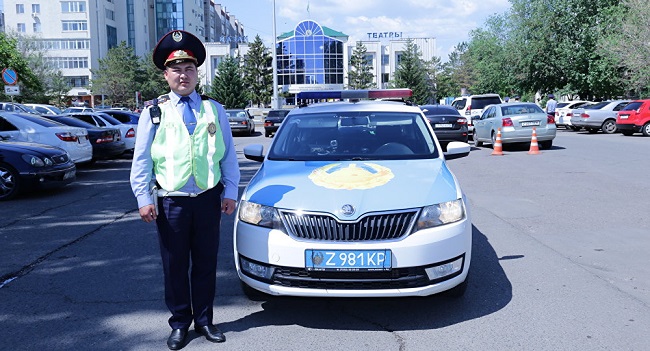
column 325, row 186
column 27, row 147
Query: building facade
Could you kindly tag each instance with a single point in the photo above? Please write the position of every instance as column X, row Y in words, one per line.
column 75, row 34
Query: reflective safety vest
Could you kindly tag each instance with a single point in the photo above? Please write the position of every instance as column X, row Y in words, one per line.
column 176, row 154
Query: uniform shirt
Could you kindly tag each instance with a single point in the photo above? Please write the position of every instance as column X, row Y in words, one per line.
column 551, row 105
column 142, row 166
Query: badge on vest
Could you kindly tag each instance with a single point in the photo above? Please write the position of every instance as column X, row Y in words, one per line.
column 212, row 128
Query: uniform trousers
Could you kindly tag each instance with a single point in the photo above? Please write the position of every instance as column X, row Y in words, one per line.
column 188, row 232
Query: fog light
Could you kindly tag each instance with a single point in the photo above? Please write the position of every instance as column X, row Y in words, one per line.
column 444, row 270
column 256, row 269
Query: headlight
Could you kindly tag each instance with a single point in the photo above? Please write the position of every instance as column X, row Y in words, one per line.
column 440, row 214
column 36, row 161
column 265, row 216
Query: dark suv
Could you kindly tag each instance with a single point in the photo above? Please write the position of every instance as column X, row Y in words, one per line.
column 273, row 120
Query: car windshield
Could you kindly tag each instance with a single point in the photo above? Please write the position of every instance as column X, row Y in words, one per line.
column 234, row 113
column 353, row 136
column 112, row 120
column 481, row 102
column 598, row 106
column 520, row 109
column 42, row 121
column 634, row 105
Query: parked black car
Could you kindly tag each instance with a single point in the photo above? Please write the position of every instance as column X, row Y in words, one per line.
column 31, row 166
column 106, row 141
column 273, row 120
column 447, row 123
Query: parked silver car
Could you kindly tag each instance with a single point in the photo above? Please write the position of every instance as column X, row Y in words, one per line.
column 599, row 116
column 516, row 121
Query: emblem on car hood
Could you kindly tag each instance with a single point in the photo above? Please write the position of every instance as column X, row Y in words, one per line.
column 352, row 176
column 347, row 210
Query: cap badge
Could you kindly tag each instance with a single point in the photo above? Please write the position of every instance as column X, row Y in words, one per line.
column 177, row 36
column 212, row 128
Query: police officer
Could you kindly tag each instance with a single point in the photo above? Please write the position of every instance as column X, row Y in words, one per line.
column 551, row 104
column 185, row 149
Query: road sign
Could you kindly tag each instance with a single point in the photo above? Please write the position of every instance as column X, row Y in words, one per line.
column 9, row 76
column 12, row 90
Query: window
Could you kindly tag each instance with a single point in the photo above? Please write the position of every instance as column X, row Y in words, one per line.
column 78, row 82
column 67, row 62
column 37, row 27
column 110, row 14
column 36, row 8
column 385, row 59
column 64, row 44
column 74, row 26
column 20, row 27
column 20, row 8
column 73, row 6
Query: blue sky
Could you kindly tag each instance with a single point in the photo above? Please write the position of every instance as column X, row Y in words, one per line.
column 449, row 21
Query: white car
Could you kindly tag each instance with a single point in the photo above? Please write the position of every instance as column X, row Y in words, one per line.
column 45, row 109
column 354, row 199
column 37, row 129
column 564, row 112
column 128, row 131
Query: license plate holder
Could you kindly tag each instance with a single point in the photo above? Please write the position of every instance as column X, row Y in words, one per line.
column 530, row 123
column 69, row 174
column 348, row 260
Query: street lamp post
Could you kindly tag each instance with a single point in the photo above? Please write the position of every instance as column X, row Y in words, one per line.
column 274, row 100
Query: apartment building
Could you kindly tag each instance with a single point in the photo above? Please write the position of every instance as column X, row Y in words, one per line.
column 75, row 34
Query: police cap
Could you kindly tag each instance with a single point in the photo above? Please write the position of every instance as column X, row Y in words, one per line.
column 178, row 46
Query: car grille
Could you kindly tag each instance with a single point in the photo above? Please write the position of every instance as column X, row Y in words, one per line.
column 60, row 159
column 381, row 226
column 397, row 278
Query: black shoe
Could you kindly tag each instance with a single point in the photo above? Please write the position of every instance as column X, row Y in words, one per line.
column 211, row 332
column 176, row 340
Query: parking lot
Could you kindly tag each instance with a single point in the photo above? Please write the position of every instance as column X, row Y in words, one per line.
column 560, row 263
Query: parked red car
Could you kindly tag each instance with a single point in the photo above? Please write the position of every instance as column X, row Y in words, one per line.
column 634, row 118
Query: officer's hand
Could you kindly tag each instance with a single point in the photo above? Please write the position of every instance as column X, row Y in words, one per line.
column 148, row 213
column 228, row 206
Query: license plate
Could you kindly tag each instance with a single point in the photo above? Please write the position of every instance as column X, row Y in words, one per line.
column 68, row 175
column 624, row 116
column 233, row 123
column 530, row 123
column 443, row 125
column 348, row 260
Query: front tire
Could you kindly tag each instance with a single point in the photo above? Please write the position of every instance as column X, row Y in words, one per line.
column 9, row 182
column 575, row 129
column 475, row 141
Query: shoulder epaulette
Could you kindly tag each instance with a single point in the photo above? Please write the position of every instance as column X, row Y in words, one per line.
column 161, row 99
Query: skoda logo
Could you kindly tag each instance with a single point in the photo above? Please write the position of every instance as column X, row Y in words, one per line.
column 317, row 258
column 347, row 210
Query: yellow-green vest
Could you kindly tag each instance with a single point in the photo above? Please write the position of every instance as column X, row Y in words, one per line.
column 176, row 154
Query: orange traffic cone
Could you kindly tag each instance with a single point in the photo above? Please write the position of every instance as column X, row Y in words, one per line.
column 497, row 148
column 534, row 147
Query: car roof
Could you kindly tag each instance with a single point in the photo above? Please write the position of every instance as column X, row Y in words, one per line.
column 439, row 109
column 357, row 105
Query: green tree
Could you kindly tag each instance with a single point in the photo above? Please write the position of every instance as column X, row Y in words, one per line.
column 228, row 84
column 411, row 73
column 12, row 58
column 116, row 75
column 150, row 80
column 360, row 75
column 258, row 72
column 627, row 44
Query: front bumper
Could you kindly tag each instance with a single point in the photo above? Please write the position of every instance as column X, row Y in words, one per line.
column 53, row 178
column 412, row 257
